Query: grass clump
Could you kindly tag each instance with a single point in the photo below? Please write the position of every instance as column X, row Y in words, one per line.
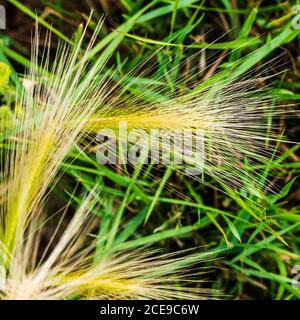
column 214, row 68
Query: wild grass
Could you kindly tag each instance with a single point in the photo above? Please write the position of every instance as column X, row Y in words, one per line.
column 54, row 111
column 247, row 212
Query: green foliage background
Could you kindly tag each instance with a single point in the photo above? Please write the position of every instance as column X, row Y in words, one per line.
column 259, row 240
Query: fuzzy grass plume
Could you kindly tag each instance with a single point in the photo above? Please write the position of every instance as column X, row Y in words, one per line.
column 237, row 122
column 64, row 92
column 69, row 267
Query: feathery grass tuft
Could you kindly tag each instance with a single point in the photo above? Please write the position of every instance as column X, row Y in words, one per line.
column 65, row 92
column 69, row 269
